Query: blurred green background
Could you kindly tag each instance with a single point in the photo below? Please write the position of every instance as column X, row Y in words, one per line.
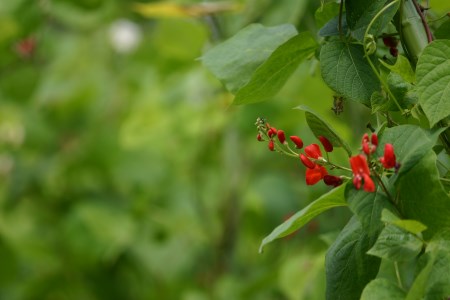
column 126, row 173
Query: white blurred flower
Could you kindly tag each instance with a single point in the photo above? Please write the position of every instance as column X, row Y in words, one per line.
column 124, row 35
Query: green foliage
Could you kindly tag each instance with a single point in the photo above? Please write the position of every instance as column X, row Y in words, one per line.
column 345, row 70
column 433, row 77
column 382, row 289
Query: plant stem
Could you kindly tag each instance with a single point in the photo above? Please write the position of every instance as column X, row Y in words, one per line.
column 424, row 22
column 397, row 273
column 386, row 87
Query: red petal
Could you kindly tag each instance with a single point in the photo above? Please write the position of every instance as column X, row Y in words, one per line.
column 374, row 139
column 307, row 162
column 313, row 176
column 359, row 165
column 332, row 180
column 388, row 160
column 369, row 185
column 271, row 145
column 313, row 151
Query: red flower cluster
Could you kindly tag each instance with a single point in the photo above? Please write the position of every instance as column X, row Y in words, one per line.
column 360, row 165
column 312, row 157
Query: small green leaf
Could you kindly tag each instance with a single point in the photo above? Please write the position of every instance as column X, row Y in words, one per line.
column 345, row 69
column 433, row 80
column 410, row 143
column 412, row 226
column 270, row 77
column 421, row 196
column 382, row 288
column 333, row 198
column 401, row 67
column 320, row 127
column 396, row 244
column 234, row 61
column 348, row 267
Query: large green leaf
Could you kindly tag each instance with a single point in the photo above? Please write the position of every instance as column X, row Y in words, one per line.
column 433, row 280
column 348, row 267
column 368, row 208
column 360, row 14
column 345, row 69
column 382, row 288
column 412, row 226
column 235, row 60
column 396, row 244
column 433, row 80
column 270, row 77
column 333, row 198
column 443, row 32
column 401, row 67
column 421, row 196
column 410, row 142
column 320, row 127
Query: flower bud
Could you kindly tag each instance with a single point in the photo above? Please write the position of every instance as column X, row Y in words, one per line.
column 388, row 160
column 326, row 144
column 281, row 136
column 297, row 141
column 374, row 139
column 259, row 137
column 332, row 180
column 271, row 132
column 271, row 145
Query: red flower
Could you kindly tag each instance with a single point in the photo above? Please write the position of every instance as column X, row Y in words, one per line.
column 271, row 145
column 388, row 160
column 313, row 151
column 366, row 146
column 390, row 41
column 307, row 162
column 361, row 173
column 332, row 180
column 326, row 144
column 313, row 176
column 281, row 136
column 259, row 137
column 297, row 141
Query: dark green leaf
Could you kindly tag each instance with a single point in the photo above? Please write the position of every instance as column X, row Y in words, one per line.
column 333, row 198
column 396, row 244
column 235, row 60
column 270, row 77
column 331, row 28
column 345, row 69
column 325, row 13
column 320, row 127
column 433, row 80
column 368, row 207
column 381, row 288
column 348, row 267
column 421, row 196
column 443, row 32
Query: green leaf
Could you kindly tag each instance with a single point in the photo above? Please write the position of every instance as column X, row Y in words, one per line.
column 348, row 267
column 401, row 67
column 433, row 281
column 325, row 13
column 360, row 14
column 412, row 226
column 421, row 196
column 396, row 244
column 270, row 77
column 345, row 69
column 400, row 88
column 331, row 28
column 320, row 127
column 443, row 32
column 234, row 61
column 433, row 80
column 368, row 207
column 333, row 198
column 410, row 143
column 382, row 288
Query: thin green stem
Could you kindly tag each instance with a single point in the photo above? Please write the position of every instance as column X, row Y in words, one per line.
column 380, row 181
column 385, row 85
column 397, row 273
column 444, row 179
